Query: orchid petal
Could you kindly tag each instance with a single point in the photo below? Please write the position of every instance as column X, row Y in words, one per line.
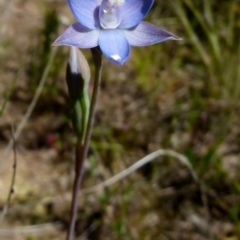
column 147, row 34
column 133, row 11
column 114, row 45
column 85, row 11
column 79, row 36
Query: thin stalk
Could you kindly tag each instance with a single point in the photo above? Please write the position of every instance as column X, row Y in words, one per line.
column 82, row 146
column 30, row 109
column 231, row 23
column 191, row 33
column 11, row 191
column 210, row 31
column 208, row 13
column 6, row 100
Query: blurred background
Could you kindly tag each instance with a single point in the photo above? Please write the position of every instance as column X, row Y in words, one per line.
column 182, row 96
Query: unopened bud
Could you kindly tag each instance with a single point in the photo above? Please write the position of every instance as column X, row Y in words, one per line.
column 78, row 76
column 78, row 73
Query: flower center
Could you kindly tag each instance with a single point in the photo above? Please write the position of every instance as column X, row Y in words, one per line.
column 110, row 14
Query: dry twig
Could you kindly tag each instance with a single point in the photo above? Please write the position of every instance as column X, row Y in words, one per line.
column 30, row 108
column 11, row 190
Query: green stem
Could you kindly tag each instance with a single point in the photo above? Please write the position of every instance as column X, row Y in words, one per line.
column 82, row 146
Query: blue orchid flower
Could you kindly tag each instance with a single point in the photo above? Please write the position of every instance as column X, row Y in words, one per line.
column 113, row 25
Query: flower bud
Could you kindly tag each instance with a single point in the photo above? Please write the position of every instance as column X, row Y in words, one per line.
column 78, row 73
column 78, row 76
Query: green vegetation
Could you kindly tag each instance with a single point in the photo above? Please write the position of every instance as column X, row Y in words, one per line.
column 181, row 95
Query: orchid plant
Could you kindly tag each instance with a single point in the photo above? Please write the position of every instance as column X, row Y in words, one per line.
column 107, row 27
